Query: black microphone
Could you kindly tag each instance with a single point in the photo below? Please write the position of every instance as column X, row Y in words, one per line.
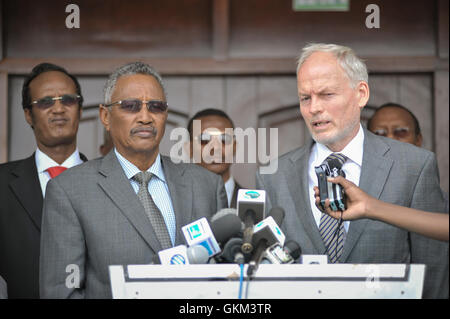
column 226, row 227
column 232, row 252
column 293, row 249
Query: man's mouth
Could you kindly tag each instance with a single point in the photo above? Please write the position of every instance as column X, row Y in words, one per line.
column 144, row 131
column 320, row 124
column 58, row 121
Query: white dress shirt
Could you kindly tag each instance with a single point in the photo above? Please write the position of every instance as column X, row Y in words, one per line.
column 43, row 162
column 229, row 188
column 157, row 187
column 351, row 168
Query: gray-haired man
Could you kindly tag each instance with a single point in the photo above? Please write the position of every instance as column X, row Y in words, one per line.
column 333, row 88
column 125, row 207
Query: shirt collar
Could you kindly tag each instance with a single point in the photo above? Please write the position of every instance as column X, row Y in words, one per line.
column 353, row 150
column 131, row 170
column 229, row 185
column 43, row 161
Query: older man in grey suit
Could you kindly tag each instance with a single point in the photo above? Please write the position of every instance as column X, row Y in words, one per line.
column 333, row 88
column 127, row 206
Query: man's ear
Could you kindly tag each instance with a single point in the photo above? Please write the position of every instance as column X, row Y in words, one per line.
column 28, row 116
column 104, row 115
column 419, row 140
column 363, row 93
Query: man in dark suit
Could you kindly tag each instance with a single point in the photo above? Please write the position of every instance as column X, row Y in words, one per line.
column 125, row 207
column 333, row 88
column 52, row 101
column 215, row 134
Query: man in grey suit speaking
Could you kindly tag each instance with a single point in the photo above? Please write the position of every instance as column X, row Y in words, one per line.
column 333, row 88
column 125, row 207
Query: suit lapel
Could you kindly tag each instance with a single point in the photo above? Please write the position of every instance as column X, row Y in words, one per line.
column 374, row 173
column 297, row 178
column 27, row 189
column 118, row 188
column 180, row 194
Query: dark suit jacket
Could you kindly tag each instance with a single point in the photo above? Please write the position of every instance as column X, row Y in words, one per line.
column 237, row 187
column 20, row 226
column 391, row 171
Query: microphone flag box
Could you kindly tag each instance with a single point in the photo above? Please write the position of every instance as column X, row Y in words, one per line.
column 174, row 256
column 269, row 230
column 253, row 200
column 200, row 233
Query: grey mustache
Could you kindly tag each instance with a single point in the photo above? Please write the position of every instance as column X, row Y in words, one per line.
column 150, row 129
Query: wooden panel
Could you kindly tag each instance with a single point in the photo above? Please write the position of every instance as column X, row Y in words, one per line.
column 207, row 66
column 113, row 28
column 220, row 29
column 4, row 119
column 1, row 30
column 442, row 37
column 271, row 28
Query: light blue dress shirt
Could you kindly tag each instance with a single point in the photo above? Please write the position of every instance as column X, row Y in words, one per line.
column 157, row 187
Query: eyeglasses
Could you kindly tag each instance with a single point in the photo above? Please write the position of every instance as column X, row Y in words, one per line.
column 398, row 132
column 206, row 137
column 48, row 101
column 135, row 106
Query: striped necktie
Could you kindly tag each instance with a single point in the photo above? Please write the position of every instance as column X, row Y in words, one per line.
column 152, row 211
column 332, row 230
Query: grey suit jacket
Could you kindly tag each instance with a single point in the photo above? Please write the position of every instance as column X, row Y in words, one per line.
column 391, row 171
column 92, row 218
column 3, row 289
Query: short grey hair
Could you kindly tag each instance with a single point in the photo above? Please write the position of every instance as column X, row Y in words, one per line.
column 353, row 66
column 130, row 69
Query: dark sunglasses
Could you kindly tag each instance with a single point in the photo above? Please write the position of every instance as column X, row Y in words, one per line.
column 48, row 101
column 398, row 132
column 135, row 106
column 206, row 137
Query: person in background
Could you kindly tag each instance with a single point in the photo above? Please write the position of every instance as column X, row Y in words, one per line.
column 52, row 103
column 213, row 126
column 396, row 121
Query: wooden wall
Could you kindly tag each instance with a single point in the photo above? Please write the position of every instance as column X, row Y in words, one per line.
column 217, row 52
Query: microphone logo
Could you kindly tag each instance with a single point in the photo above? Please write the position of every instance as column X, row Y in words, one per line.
column 251, row 195
column 177, row 260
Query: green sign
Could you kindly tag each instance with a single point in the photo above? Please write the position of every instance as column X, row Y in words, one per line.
column 321, row 5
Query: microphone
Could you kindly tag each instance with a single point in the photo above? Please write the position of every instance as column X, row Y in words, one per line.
column 199, row 233
column 275, row 254
column 266, row 233
column 226, row 227
column 232, row 251
column 182, row 255
column 197, row 254
column 251, row 205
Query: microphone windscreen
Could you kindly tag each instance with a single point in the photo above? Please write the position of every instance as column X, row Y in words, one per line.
column 224, row 212
column 293, row 249
column 277, row 214
column 226, row 227
column 197, row 254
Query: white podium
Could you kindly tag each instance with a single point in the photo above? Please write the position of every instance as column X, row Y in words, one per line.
column 293, row 281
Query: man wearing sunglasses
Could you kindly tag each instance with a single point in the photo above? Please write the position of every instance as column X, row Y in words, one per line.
column 52, row 101
column 127, row 206
column 396, row 121
column 216, row 136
